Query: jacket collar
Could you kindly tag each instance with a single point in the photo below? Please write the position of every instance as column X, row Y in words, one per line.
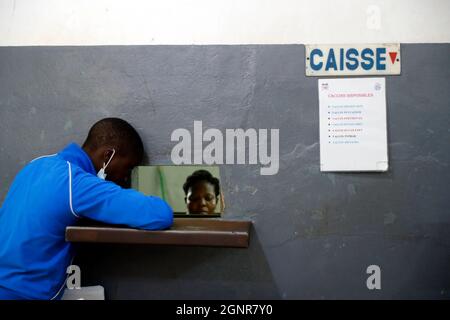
column 77, row 156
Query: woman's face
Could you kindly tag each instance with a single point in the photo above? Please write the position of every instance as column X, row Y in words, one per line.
column 201, row 198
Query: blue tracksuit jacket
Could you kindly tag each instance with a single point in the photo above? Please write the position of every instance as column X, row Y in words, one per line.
column 49, row 194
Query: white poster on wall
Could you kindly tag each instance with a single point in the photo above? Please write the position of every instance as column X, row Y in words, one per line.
column 353, row 133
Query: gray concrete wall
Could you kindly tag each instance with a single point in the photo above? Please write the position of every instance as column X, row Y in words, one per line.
column 314, row 233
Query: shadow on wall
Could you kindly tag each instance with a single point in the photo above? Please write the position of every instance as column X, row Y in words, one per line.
column 166, row 272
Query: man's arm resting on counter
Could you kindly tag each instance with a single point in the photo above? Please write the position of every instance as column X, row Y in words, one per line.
column 105, row 201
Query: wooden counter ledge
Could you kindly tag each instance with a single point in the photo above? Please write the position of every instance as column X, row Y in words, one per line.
column 184, row 232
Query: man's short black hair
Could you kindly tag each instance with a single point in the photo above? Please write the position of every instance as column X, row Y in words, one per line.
column 116, row 133
column 201, row 175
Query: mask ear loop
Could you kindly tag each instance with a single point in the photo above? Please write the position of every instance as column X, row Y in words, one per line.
column 105, row 165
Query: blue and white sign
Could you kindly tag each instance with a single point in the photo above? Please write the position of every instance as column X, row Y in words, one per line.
column 349, row 60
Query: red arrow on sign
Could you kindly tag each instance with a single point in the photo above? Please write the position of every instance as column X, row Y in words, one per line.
column 393, row 55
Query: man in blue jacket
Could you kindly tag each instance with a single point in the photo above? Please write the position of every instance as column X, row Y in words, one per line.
column 53, row 192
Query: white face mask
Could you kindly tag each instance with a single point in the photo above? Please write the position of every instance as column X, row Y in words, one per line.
column 101, row 174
